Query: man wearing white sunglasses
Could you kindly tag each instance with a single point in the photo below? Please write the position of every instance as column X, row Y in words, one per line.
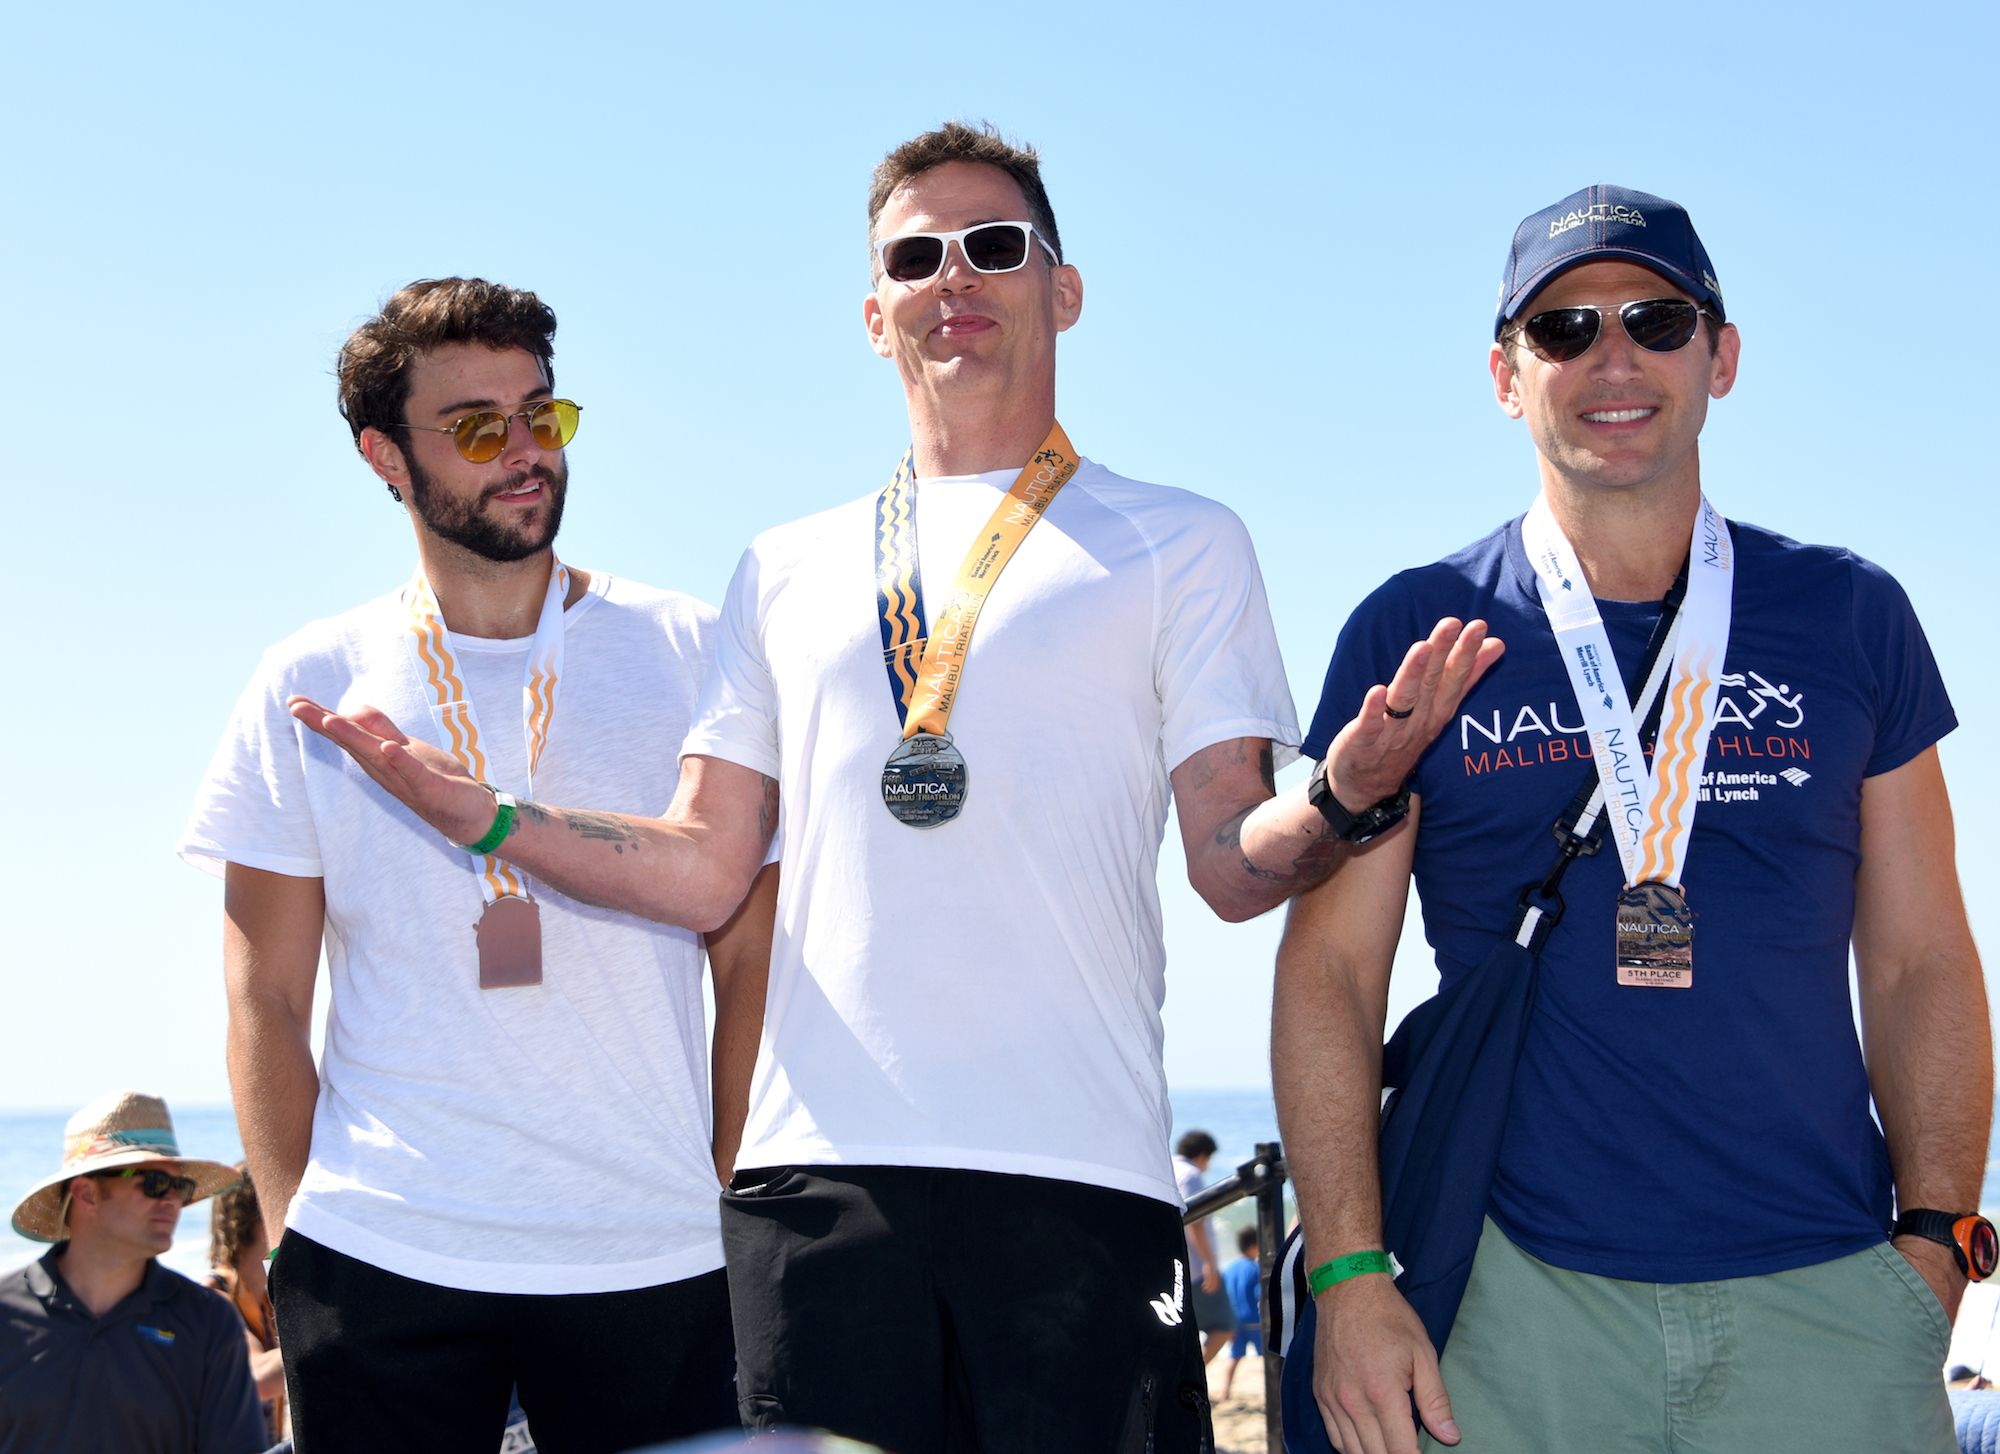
column 957, row 1147
column 1659, row 1193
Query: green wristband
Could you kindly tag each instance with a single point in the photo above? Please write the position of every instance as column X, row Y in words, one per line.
column 503, row 823
column 1354, row 1264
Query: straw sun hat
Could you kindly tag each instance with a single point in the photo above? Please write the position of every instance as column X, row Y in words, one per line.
column 124, row 1128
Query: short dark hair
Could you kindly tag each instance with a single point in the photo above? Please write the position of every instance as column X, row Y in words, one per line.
column 1195, row 1143
column 374, row 364
column 957, row 142
column 1246, row 1239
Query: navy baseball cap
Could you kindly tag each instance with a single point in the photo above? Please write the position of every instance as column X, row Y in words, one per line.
column 1606, row 223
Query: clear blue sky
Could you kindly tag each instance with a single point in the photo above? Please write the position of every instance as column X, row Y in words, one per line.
column 1290, row 223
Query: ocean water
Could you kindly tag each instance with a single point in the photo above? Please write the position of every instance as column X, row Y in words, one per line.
column 1238, row 1120
column 31, row 1148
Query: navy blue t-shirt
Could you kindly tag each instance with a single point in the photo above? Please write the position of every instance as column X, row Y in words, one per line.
column 1671, row 1135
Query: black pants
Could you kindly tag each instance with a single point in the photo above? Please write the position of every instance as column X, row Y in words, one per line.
column 928, row 1311
column 376, row 1363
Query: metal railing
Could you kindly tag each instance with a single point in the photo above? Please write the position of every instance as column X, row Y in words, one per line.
column 1261, row 1177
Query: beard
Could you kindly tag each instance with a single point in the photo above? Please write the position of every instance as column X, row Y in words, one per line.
column 466, row 522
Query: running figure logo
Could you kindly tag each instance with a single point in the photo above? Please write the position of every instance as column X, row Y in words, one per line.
column 1765, row 693
column 1168, row 1310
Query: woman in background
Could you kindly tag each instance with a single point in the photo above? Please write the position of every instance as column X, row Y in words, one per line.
column 236, row 1270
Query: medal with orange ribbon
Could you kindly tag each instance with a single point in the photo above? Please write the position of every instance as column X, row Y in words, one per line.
column 508, row 936
column 924, row 780
column 1650, row 808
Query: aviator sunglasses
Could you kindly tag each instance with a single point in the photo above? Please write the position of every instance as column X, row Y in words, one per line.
column 1658, row 325
column 990, row 247
column 483, row 436
column 154, row 1184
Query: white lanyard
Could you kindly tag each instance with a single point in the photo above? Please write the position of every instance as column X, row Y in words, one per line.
column 443, row 686
column 1651, row 810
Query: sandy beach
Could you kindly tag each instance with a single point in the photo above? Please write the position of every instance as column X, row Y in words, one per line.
column 1239, row 1420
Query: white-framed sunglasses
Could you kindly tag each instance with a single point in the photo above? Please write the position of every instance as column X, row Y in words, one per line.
column 988, row 247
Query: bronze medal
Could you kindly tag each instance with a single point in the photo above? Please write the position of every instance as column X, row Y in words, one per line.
column 923, row 782
column 509, row 935
column 1655, row 937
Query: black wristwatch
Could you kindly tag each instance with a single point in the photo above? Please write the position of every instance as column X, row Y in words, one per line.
column 1974, row 1244
column 1370, row 822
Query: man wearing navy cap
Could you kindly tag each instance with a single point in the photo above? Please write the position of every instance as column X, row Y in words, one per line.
column 1695, row 1235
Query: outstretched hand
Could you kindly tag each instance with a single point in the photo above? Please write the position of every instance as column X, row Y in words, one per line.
column 428, row 782
column 1374, row 754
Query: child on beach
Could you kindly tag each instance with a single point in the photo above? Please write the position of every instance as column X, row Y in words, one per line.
column 1242, row 1280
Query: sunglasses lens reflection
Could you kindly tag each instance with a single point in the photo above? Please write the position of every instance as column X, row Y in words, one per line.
column 481, row 436
column 997, row 249
column 1562, row 334
column 912, row 259
column 553, row 424
column 1660, row 325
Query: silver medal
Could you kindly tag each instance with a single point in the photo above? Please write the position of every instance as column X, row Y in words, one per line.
column 923, row 782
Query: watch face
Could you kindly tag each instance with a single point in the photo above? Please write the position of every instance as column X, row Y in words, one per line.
column 1980, row 1246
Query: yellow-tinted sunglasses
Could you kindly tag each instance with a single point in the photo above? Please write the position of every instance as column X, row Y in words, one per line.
column 483, row 436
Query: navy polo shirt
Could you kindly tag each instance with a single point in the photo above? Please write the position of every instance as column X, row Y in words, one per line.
column 166, row 1371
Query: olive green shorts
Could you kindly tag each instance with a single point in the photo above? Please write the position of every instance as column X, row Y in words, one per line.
column 1843, row 1355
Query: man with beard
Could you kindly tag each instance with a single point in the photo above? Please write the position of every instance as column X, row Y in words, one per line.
column 960, row 1067
column 503, row 1174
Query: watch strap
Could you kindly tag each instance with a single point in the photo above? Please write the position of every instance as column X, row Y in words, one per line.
column 1359, row 827
column 1971, row 1238
column 1926, row 1222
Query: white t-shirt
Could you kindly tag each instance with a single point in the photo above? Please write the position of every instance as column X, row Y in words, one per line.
column 986, row 994
column 1187, row 1182
column 535, row 1140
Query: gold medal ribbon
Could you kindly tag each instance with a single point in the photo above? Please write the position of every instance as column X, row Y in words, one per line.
column 926, row 665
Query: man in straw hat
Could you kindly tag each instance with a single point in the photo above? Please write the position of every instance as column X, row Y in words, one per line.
column 100, row 1346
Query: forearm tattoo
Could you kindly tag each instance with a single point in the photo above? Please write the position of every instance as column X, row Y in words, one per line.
column 602, row 827
column 1308, row 866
